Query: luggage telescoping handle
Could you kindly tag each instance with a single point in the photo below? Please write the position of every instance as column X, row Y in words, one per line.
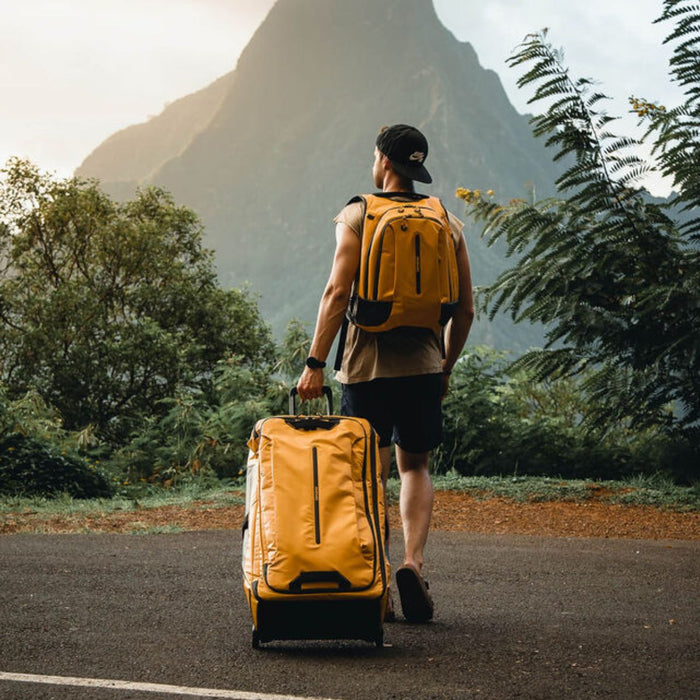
column 293, row 393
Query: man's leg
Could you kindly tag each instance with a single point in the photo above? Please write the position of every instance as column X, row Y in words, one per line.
column 415, row 503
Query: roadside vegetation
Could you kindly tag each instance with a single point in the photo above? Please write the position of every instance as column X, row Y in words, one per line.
column 654, row 491
column 128, row 375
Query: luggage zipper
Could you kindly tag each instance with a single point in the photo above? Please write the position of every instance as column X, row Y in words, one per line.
column 377, row 530
column 317, row 514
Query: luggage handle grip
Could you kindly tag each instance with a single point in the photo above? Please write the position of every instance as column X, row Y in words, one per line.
column 293, row 393
column 312, row 422
column 306, row 577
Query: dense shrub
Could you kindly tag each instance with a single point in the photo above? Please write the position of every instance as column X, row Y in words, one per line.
column 38, row 457
column 196, row 435
column 497, row 424
column 31, row 467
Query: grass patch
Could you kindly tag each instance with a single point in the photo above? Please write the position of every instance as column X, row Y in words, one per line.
column 657, row 491
column 191, row 496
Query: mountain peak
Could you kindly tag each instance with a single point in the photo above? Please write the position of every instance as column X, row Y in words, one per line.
column 293, row 131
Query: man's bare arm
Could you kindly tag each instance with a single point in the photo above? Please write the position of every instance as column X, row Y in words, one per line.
column 332, row 307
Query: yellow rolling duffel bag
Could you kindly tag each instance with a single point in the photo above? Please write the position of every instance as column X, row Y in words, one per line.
column 314, row 563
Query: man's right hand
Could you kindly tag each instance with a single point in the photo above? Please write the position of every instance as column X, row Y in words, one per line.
column 310, row 384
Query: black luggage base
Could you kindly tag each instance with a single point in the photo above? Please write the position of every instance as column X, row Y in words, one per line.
column 321, row 619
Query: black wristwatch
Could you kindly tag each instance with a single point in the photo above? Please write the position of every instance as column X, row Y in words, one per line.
column 313, row 363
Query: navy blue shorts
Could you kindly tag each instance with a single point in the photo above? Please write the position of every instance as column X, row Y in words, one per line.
column 407, row 410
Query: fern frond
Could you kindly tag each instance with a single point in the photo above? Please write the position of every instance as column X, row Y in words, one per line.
column 593, row 99
column 619, row 143
column 543, row 364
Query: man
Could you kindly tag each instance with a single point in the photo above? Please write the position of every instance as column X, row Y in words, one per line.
column 396, row 379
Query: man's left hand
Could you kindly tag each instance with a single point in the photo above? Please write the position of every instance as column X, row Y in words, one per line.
column 445, row 385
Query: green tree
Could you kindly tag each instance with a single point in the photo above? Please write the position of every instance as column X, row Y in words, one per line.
column 106, row 308
column 293, row 351
column 614, row 276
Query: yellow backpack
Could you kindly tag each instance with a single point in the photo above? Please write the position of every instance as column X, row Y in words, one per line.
column 408, row 265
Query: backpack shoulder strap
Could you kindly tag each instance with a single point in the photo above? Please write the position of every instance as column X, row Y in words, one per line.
column 362, row 199
column 453, row 235
column 439, row 206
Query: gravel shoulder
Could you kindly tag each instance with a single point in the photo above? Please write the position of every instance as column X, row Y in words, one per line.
column 453, row 512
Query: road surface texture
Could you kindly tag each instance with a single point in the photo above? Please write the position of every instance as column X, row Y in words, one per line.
column 516, row 617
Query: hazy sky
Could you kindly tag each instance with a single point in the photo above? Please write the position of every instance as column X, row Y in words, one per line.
column 72, row 72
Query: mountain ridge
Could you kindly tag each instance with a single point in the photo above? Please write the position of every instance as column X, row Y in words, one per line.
column 291, row 140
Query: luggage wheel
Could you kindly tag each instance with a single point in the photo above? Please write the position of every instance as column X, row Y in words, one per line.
column 379, row 640
column 255, row 639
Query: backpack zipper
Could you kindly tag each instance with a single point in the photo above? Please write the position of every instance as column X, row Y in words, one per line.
column 378, row 265
column 417, row 264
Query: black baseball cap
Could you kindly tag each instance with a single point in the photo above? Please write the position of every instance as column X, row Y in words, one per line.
column 407, row 150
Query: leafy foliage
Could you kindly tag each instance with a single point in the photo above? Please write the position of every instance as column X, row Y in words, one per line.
column 294, row 350
column 198, row 435
column 498, row 421
column 614, row 276
column 678, row 130
column 107, row 309
column 39, row 458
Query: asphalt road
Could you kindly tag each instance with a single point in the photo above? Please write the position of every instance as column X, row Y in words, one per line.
column 521, row 617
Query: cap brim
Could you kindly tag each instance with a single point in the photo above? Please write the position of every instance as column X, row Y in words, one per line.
column 417, row 172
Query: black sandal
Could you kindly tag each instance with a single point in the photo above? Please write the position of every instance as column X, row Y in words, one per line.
column 416, row 603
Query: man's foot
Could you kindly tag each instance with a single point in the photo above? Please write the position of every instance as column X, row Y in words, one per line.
column 416, row 603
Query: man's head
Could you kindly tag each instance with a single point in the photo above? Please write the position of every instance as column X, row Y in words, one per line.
column 407, row 150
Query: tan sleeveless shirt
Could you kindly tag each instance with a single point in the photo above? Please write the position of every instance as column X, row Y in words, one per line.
column 402, row 352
